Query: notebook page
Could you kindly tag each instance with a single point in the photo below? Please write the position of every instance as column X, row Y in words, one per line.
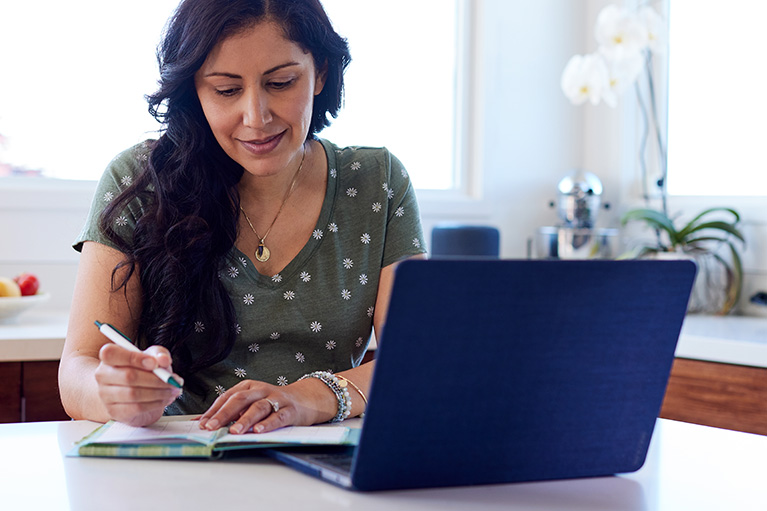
column 119, row 433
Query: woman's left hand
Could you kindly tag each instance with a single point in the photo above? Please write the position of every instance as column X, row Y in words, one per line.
column 265, row 407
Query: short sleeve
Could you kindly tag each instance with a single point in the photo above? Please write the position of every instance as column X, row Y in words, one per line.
column 404, row 234
column 119, row 174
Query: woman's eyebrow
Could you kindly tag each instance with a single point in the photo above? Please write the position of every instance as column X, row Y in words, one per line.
column 236, row 76
column 225, row 75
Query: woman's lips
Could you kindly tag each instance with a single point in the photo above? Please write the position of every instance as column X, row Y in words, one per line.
column 262, row 146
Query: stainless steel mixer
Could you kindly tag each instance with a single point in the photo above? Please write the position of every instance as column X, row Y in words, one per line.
column 579, row 199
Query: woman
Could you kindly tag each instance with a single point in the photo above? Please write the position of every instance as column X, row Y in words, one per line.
column 238, row 249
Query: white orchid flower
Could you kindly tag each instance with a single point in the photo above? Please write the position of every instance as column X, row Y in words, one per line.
column 622, row 74
column 657, row 32
column 585, row 78
column 620, row 33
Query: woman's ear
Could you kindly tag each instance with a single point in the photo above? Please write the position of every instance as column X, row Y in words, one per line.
column 319, row 82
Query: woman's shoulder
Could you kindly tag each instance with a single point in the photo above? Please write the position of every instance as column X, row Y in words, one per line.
column 136, row 155
column 128, row 163
column 360, row 157
column 352, row 150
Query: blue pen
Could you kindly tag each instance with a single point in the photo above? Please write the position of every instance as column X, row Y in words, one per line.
column 123, row 341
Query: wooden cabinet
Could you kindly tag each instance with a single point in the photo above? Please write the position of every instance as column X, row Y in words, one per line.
column 721, row 395
column 10, row 392
column 29, row 392
column 713, row 394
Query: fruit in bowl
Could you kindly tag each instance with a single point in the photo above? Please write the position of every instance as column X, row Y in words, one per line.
column 19, row 294
column 28, row 283
column 9, row 288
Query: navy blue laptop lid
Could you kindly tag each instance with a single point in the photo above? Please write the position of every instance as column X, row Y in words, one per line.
column 501, row 371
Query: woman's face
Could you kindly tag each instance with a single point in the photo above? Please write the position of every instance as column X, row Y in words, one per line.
column 257, row 90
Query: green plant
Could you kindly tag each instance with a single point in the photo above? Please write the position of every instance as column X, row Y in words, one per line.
column 697, row 238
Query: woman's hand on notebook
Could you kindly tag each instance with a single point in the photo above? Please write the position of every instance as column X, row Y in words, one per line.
column 131, row 393
column 261, row 407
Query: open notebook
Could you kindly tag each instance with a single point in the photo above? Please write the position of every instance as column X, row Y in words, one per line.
column 181, row 437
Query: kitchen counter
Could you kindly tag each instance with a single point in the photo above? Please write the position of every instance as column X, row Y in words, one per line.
column 34, row 335
column 711, row 382
column 740, row 340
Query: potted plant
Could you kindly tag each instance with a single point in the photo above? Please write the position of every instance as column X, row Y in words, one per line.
column 720, row 279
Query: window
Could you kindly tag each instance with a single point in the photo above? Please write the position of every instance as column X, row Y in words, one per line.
column 74, row 78
column 401, row 85
column 717, row 100
column 72, row 96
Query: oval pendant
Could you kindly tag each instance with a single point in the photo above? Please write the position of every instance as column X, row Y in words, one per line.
column 262, row 253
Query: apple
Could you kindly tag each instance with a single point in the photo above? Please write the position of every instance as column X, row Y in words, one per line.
column 9, row 288
column 28, row 284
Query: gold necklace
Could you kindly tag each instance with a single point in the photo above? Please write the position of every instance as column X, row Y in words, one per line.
column 262, row 253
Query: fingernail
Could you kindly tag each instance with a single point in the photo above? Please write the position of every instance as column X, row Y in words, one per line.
column 236, row 429
column 147, row 363
column 212, row 424
column 259, row 428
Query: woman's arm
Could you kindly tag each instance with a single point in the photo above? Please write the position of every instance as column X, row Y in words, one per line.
column 304, row 402
column 99, row 380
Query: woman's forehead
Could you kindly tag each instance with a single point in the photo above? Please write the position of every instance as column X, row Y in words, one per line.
column 260, row 46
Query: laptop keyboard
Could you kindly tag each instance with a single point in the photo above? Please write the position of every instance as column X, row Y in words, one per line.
column 337, row 461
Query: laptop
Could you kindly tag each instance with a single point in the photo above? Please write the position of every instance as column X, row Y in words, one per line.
column 501, row 371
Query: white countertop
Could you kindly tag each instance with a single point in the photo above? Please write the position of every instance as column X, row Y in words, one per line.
column 738, row 340
column 34, row 335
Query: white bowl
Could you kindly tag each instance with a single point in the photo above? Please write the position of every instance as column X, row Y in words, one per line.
column 11, row 307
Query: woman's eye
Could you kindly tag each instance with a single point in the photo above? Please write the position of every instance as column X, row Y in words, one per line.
column 279, row 85
column 227, row 92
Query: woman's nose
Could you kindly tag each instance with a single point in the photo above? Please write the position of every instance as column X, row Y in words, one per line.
column 256, row 112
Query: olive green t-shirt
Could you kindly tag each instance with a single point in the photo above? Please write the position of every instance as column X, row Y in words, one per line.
column 317, row 313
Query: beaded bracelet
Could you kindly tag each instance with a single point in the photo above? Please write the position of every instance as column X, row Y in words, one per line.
column 340, row 391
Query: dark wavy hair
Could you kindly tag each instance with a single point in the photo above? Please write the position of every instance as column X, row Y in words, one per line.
column 188, row 187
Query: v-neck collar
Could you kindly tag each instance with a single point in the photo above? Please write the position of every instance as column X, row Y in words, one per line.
column 311, row 246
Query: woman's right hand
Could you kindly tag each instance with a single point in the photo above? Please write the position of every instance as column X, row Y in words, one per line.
column 127, row 387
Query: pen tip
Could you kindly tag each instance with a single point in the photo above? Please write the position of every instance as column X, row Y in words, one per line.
column 173, row 382
column 98, row 323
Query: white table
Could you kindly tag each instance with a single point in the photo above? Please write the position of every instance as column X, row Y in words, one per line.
column 689, row 467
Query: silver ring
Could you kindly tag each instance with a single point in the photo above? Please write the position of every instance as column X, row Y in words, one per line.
column 275, row 404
